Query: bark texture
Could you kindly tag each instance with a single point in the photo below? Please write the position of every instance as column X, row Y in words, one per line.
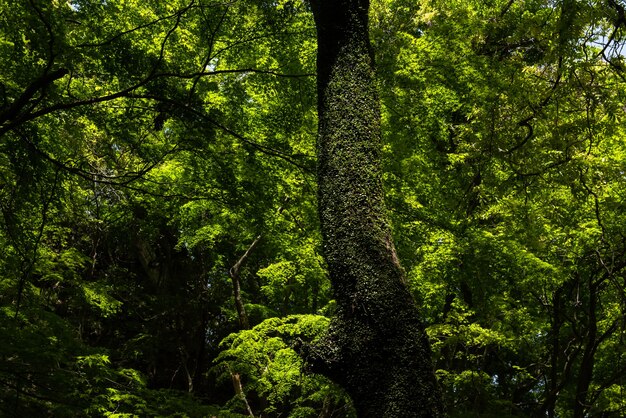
column 376, row 347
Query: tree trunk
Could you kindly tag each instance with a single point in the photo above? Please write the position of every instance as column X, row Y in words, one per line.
column 585, row 374
column 376, row 347
column 244, row 323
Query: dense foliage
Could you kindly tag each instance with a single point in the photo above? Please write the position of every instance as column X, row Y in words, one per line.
column 157, row 158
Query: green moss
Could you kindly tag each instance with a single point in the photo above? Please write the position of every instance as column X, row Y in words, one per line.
column 376, row 346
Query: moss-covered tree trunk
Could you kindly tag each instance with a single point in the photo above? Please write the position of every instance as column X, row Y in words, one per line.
column 376, row 347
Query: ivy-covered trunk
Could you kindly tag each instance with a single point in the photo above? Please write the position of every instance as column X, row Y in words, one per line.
column 376, row 347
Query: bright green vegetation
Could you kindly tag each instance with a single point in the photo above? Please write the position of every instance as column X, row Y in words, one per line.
column 145, row 146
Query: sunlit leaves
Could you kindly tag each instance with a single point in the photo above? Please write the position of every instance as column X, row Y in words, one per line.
column 269, row 367
column 131, row 184
column 501, row 122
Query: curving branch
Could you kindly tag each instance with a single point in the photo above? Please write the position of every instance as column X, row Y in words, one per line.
column 44, row 81
column 291, row 159
column 124, row 179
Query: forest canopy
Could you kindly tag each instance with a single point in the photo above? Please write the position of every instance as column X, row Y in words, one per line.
column 162, row 252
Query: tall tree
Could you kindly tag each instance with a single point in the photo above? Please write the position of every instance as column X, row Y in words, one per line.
column 376, row 347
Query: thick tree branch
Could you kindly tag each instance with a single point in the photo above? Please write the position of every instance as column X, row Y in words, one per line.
column 40, row 84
